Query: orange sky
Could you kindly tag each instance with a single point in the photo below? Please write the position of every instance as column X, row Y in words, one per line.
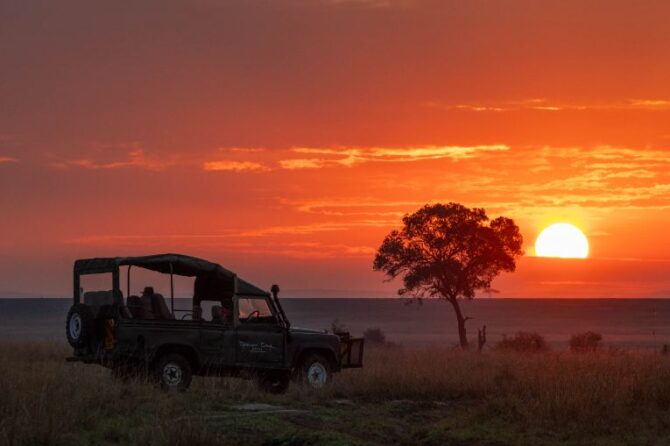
column 285, row 139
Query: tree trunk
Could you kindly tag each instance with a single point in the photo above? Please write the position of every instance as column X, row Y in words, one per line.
column 462, row 334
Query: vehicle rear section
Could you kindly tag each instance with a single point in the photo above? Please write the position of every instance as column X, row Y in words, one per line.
column 91, row 326
column 103, row 332
column 351, row 351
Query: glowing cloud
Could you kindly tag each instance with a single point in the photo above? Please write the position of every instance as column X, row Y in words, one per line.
column 547, row 105
column 350, row 156
column 301, row 164
column 135, row 158
column 234, row 166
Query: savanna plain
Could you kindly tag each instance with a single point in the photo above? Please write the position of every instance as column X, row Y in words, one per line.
column 403, row 396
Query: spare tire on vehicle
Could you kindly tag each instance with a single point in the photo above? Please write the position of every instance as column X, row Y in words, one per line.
column 79, row 325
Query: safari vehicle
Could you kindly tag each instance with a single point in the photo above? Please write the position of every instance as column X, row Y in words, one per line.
column 248, row 335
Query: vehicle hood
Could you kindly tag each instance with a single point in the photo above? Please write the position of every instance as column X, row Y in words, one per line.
column 298, row 330
column 307, row 338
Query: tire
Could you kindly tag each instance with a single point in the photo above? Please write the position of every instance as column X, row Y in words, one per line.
column 275, row 383
column 79, row 325
column 173, row 373
column 315, row 371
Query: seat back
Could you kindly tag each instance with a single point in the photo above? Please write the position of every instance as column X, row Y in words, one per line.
column 159, row 307
column 123, row 309
column 196, row 315
column 147, row 307
column 135, row 307
column 217, row 313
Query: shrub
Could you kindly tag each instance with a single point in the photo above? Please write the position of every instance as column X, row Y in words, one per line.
column 338, row 327
column 374, row 336
column 523, row 341
column 585, row 342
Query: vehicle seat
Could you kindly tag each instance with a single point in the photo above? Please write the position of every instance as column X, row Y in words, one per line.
column 160, row 309
column 123, row 309
column 197, row 313
column 135, row 307
column 217, row 314
column 147, row 307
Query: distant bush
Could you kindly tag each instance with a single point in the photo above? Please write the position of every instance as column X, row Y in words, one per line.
column 338, row 327
column 374, row 336
column 522, row 341
column 585, row 342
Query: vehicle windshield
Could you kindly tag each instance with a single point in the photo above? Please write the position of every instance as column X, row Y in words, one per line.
column 255, row 310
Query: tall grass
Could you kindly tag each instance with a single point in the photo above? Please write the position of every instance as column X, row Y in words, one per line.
column 594, row 392
column 44, row 400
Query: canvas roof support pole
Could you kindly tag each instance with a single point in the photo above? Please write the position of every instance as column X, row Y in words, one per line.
column 76, row 289
column 171, row 288
column 128, row 282
column 118, row 297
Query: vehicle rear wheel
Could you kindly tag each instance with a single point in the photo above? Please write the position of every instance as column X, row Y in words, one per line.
column 275, row 383
column 315, row 371
column 79, row 325
column 173, row 373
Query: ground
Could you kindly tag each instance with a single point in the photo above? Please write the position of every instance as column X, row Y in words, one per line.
column 402, row 397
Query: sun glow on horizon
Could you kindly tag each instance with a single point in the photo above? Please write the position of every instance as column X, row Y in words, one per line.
column 562, row 240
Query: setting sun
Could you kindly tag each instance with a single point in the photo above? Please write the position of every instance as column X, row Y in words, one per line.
column 562, row 240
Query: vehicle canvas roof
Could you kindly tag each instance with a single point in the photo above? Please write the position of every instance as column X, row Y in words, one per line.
column 178, row 264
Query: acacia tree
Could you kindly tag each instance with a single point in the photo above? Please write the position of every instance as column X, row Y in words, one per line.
column 450, row 252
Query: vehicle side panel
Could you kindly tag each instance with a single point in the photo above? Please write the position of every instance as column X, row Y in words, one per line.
column 217, row 345
column 142, row 339
column 260, row 346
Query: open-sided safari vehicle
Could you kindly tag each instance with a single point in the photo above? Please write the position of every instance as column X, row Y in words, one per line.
column 248, row 334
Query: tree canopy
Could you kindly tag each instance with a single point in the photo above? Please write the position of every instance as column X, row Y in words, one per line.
column 449, row 251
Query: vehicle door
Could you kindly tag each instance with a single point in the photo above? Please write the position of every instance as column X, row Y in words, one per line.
column 217, row 344
column 260, row 338
column 217, row 338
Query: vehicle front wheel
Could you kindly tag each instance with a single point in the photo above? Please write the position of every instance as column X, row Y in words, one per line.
column 315, row 371
column 173, row 373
